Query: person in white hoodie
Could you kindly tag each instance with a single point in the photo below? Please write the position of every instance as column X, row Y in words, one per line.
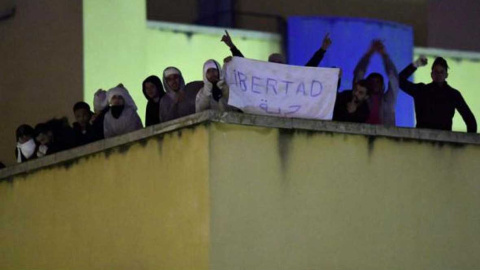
column 26, row 146
column 177, row 102
column 214, row 94
column 122, row 116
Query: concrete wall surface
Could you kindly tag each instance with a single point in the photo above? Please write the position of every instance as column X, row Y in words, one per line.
column 235, row 191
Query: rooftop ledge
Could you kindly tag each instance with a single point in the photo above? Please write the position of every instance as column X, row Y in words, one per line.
column 457, row 138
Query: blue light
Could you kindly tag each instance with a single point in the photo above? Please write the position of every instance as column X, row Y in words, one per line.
column 351, row 38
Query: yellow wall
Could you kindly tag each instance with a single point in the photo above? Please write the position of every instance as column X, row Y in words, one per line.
column 119, row 47
column 128, row 208
column 463, row 76
column 311, row 200
column 224, row 196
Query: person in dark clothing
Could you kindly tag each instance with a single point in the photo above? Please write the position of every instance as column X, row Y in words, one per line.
column 153, row 91
column 351, row 105
column 2, row 166
column 278, row 58
column 436, row 102
column 54, row 136
column 83, row 129
column 44, row 137
column 26, row 145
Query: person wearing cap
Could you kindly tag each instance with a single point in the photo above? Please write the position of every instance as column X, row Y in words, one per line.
column 176, row 102
column 122, row 116
column 26, row 146
column 381, row 103
column 436, row 102
column 214, row 94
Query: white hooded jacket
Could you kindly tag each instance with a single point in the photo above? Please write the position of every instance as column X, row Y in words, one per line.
column 128, row 121
column 175, row 104
column 205, row 100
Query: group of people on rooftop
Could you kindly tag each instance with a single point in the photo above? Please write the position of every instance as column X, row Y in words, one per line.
column 115, row 111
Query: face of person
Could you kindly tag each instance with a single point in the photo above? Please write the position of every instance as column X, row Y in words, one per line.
column 43, row 138
column 117, row 101
column 82, row 116
column 376, row 83
column 360, row 93
column 173, row 81
column 151, row 90
column 24, row 138
column 212, row 75
column 439, row 74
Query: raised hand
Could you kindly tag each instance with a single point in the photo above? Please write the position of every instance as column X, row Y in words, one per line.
column 421, row 61
column 227, row 40
column 326, row 42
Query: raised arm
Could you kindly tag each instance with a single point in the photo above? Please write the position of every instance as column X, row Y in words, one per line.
column 392, row 73
column 407, row 86
column 228, row 40
column 318, row 55
column 362, row 65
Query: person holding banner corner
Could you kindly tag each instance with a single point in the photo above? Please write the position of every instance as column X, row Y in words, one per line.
column 214, row 93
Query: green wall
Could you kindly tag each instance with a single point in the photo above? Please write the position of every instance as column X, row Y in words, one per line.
column 120, row 47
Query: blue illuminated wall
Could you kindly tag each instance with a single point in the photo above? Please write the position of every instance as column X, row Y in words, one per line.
column 351, row 38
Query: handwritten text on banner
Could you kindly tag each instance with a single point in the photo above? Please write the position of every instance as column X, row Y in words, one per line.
column 258, row 87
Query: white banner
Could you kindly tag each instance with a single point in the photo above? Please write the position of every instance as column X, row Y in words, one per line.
column 259, row 87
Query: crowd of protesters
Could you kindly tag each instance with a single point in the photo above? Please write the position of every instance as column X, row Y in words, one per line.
column 370, row 101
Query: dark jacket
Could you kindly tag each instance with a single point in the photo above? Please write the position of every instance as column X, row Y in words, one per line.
column 435, row 105
column 152, row 112
column 340, row 112
column 82, row 138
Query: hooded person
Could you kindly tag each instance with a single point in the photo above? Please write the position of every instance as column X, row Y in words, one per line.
column 214, row 94
column 26, row 145
column 122, row 116
column 177, row 102
column 153, row 90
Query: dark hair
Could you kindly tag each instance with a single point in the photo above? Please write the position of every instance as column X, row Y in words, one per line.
column 81, row 105
column 375, row 74
column 41, row 128
column 158, row 84
column 366, row 84
column 440, row 61
column 24, row 130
